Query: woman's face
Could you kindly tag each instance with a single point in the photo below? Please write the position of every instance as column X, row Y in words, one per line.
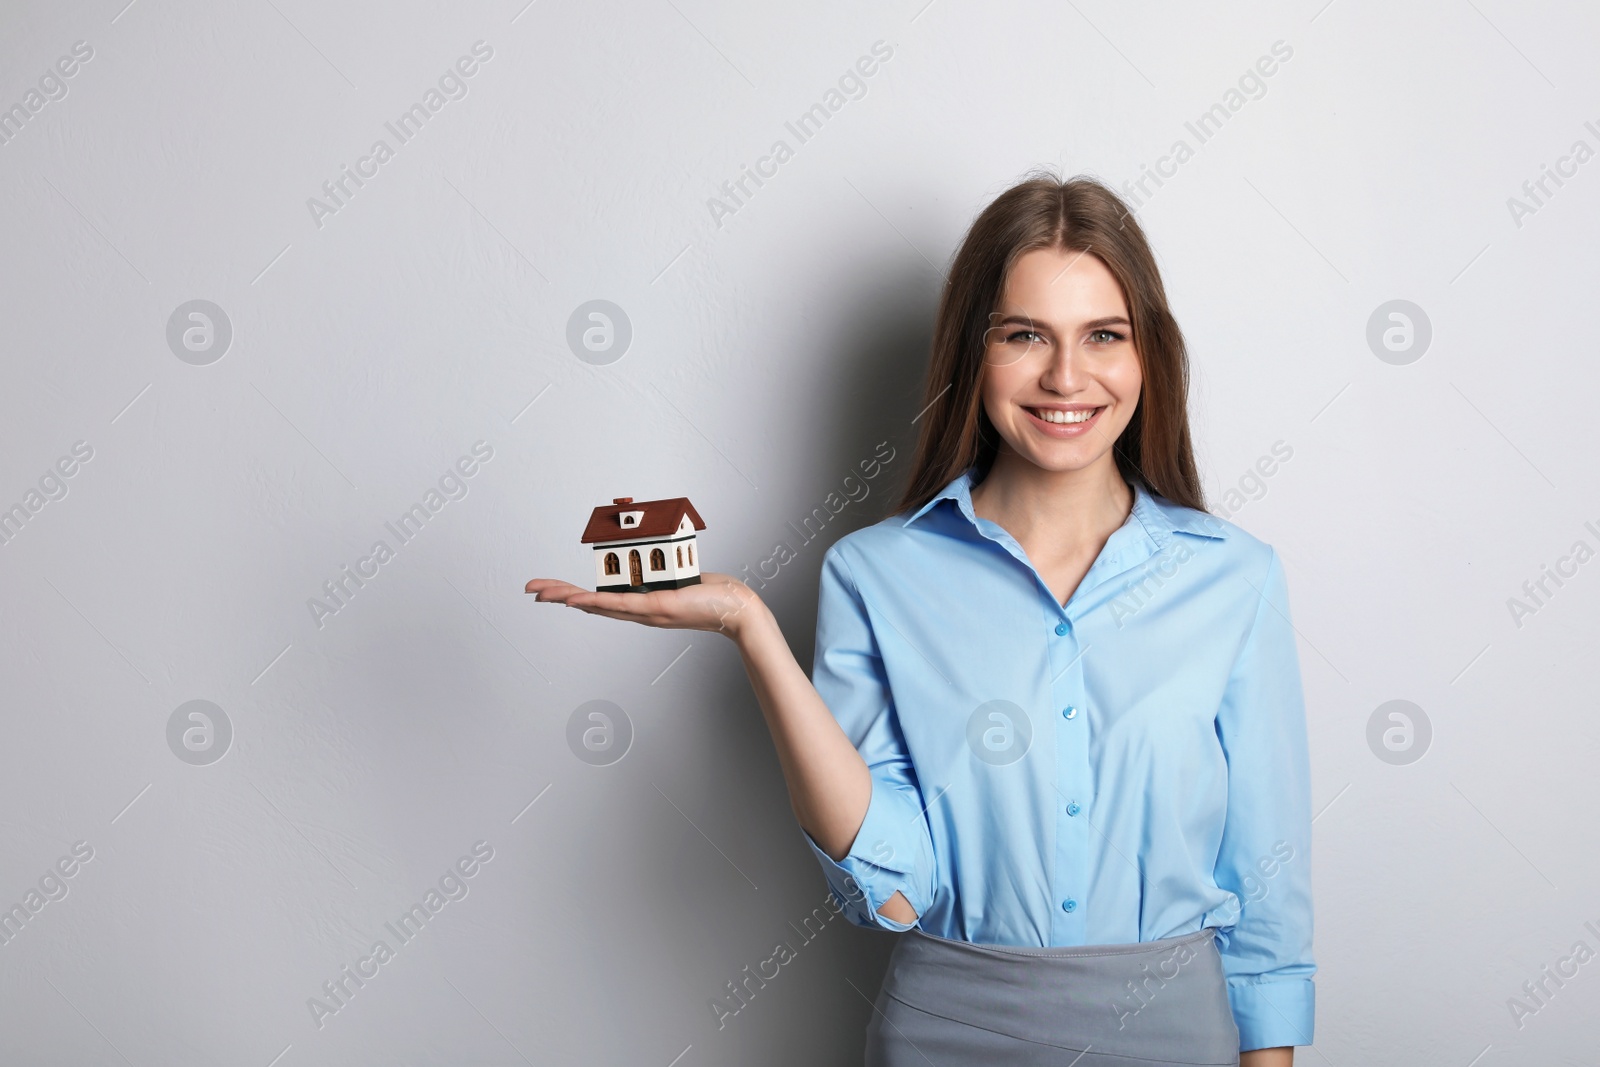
column 1061, row 377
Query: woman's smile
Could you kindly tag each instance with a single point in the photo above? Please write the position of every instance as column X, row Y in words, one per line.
column 1063, row 420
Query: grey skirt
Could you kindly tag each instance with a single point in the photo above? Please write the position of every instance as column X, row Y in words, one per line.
column 955, row 1003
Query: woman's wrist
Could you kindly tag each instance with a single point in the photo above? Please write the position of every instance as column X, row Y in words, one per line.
column 746, row 617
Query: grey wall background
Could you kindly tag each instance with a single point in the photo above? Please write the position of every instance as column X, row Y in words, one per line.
column 773, row 346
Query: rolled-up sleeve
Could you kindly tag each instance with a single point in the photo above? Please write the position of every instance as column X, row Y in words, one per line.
column 1265, row 855
column 893, row 850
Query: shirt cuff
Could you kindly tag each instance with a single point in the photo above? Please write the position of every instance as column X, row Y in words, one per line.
column 1273, row 1013
column 861, row 884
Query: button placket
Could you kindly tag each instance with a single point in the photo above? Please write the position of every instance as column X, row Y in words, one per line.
column 1070, row 864
column 1070, row 867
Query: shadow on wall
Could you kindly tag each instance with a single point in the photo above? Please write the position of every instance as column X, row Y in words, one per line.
column 869, row 388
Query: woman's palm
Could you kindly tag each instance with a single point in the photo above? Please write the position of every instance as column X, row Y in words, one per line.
column 715, row 603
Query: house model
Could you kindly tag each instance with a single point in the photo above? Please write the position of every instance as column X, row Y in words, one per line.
column 644, row 545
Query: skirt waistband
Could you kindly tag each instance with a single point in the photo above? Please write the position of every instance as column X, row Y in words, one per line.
column 1163, row 1001
column 1129, row 948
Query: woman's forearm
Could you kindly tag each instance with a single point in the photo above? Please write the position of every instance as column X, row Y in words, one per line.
column 829, row 784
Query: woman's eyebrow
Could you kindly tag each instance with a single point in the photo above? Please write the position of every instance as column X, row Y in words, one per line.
column 1038, row 324
column 1023, row 320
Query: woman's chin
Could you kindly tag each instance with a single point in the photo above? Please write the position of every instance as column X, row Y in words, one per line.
column 1059, row 457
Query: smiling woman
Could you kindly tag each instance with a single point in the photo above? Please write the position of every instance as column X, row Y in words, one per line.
column 1045, row 792
column 1053, row 468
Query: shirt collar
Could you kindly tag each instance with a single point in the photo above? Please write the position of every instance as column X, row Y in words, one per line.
column 1159, row 517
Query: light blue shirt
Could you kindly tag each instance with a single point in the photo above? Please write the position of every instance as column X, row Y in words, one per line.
column 1127, row 767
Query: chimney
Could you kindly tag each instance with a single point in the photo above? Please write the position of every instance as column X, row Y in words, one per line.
column 622, row 500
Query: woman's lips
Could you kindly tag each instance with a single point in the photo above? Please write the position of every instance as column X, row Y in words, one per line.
column 1064, row 429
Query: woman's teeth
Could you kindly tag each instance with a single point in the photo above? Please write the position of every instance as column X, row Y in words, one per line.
column 1053, row 415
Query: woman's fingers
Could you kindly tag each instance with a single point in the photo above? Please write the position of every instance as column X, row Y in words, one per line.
column 629, row 607
column 555, row 591
column 551, row 590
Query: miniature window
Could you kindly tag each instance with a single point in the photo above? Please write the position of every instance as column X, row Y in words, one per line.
column 680, row 555
column 613, row 564
column 658, row 560
column 691, row 553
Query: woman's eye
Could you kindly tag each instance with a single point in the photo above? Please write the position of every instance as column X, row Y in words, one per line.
column 1026, row 335
column 1105, row 337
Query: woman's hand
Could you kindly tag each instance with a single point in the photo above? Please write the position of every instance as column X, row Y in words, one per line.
column 720, row 603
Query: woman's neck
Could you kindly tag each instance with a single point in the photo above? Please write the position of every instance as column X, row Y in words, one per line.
column 1054, row 512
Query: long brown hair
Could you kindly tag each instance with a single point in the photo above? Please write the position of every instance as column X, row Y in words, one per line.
column 1078, row 215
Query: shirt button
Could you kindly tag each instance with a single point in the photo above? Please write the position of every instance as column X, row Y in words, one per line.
column 1069, row 712
column 1061, row 629
column 1072, row 807
column 1069, row 905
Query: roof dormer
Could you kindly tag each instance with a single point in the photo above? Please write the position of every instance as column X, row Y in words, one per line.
column 628, row 519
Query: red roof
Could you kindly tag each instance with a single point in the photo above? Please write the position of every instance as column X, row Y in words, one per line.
column 661, row 519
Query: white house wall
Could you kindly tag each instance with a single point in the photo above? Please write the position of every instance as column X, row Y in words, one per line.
column 672, row 573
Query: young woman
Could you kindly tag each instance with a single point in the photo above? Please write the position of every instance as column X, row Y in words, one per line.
column 1054, row 730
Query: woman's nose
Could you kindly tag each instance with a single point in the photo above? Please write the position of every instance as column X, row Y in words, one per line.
column 1061, row 373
